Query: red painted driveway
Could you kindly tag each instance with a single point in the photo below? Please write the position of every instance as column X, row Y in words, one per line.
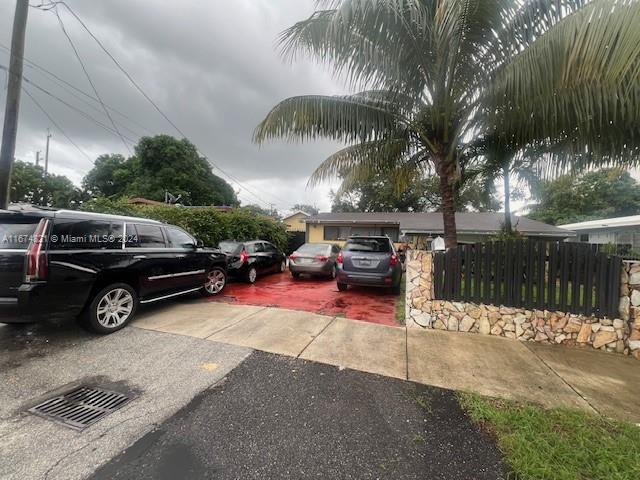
column 314, row 295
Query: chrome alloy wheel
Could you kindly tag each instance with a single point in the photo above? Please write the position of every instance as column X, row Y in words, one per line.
column 114, row 308
column 216, row 280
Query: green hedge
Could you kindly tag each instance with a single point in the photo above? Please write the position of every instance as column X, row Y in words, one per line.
column 206, row 224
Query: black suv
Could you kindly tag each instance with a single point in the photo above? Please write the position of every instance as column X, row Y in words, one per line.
column 59, row 264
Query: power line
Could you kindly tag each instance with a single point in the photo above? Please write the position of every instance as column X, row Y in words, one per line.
column 74, row 108
column 95, row 90
column 54, row 4
column 55, row 124
column 62, row 83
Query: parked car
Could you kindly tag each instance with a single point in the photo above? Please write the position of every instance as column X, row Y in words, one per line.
column 314, row 259
column 60, row 264
column 369, row 261
column 248, row 260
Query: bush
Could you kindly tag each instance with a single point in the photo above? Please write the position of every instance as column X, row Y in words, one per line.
column 206, row 224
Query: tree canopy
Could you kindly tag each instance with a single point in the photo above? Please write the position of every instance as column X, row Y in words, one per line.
column 303, row 207
column 432, row 74
column 377, row 194
column 29, row 185
column 161, row 164
column 600, row 194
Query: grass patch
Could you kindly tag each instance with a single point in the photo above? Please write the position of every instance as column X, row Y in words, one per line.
column 560, row 443
column 401, row 302
column 422, row 400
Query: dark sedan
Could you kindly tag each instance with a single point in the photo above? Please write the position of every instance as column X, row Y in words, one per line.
column 314, row 259
column 248, row 260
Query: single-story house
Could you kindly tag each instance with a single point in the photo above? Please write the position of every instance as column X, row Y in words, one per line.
column 296, row 221
column 616, row 231
column 419, row 229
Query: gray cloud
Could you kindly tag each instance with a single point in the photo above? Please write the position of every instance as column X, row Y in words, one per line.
column 212, row 67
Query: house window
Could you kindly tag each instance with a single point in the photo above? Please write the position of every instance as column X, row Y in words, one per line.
column 584, row 237
column 336, row 233
column 365, row 231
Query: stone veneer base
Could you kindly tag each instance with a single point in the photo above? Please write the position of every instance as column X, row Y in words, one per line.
column 621, row 335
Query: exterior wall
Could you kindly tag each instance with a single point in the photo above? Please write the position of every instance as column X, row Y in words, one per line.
column 621, row 335
column 315, row 234
column 295, row 223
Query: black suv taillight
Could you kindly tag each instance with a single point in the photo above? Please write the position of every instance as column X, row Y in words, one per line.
column 36, row 268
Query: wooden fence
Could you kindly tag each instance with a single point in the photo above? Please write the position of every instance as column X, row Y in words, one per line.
column 534, row 274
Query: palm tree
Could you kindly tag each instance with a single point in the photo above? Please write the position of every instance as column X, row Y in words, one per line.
column 432, row 74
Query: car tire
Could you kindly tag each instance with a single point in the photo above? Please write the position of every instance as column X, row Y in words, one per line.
column 396, row 289
column 215, row 283
column 295, row 275
column 342, row 286
column 251, row 275
column 111, row 309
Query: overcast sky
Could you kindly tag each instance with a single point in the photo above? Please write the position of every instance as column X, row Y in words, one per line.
column 212, row 67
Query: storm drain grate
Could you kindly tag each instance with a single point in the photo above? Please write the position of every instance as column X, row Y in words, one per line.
column 80, row 407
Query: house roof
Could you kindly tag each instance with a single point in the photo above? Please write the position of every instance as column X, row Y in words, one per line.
column 605, row 223
column 293, row 214
column 470, row 223
column 144, row 201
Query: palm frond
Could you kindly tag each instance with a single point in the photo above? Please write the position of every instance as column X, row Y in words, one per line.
column 368, row 158
column 579, row 83
column 351, row 118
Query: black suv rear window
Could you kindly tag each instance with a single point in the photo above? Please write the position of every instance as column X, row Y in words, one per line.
column 377, row 245
column 17, row 234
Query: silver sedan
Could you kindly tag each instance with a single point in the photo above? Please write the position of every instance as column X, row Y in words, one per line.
column 314, row 259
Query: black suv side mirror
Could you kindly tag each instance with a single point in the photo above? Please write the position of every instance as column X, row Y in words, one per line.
column 199, row 244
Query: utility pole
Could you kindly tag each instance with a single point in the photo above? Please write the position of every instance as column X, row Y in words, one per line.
column 38, row 158
column 14, row 86
column 46, row 155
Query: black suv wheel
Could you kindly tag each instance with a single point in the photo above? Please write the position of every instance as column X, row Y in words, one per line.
column 215, row 283
column 111, row 309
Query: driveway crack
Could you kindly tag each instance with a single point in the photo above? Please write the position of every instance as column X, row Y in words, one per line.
column 577, row 392
column 316, row 336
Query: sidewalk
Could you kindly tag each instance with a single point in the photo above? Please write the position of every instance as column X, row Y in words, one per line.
column 552, row 376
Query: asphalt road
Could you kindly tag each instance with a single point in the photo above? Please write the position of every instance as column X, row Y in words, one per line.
column 277, row 417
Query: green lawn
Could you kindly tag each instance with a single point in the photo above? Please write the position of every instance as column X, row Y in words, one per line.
column 558, row 444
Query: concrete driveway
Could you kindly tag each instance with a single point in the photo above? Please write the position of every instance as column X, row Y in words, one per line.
column 314, row 295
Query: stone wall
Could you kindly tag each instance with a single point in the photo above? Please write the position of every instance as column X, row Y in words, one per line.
column 621, row 335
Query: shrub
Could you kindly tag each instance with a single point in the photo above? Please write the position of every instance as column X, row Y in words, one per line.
column 206, row 224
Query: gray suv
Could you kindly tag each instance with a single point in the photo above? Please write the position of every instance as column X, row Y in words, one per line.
column 369, row 261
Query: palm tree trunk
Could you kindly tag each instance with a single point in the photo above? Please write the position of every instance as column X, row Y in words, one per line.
column 446, row 174
column 507, row 199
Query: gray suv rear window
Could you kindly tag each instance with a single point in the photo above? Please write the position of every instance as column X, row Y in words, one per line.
column 378, row 245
